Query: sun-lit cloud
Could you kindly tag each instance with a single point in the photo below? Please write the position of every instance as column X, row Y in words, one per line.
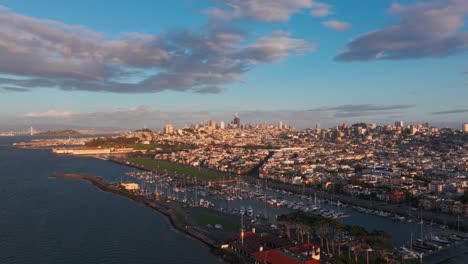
column 336, row 25
column 52, row 113
column 46, row 53
column 321, row 9
column 265, row 10
column 425, row 29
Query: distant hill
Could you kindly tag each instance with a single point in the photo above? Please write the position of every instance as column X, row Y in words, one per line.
column 59, row 133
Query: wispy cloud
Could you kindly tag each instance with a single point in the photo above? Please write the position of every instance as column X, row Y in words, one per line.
column 12, row 89
column 52, row 54
column 321, row 9
column 336, row 25
column 424, row 29
column 453, row 111
column 138, row 116
column 266, row 10
column 350, row 111
column 51, row 113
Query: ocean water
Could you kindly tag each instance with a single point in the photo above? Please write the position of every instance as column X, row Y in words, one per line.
column 44, row 220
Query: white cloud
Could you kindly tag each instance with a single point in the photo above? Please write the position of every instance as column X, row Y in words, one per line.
column 52, row 54
column 321, row 9
column 424, row 29
column 52, row 113
column 336, row 25
column 267, row 10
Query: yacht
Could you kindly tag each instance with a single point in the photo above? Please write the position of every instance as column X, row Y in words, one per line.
column 242, row 210
column 249, row 211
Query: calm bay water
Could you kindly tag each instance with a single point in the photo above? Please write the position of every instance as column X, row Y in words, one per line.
column 46, row 220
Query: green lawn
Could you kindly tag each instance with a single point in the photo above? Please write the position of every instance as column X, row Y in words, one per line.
column 206, row 219
column 179, row 168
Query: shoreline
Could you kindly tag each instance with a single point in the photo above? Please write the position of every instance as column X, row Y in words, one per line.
column 177, row 218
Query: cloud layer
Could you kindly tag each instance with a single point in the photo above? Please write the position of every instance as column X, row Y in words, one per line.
column 350, row 111
column 45, row 53
column 139, row 116
column 425, row 29
column 454, row 111
column 266, row 10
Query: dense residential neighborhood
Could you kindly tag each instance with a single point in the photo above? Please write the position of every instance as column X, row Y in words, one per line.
column 415, row 164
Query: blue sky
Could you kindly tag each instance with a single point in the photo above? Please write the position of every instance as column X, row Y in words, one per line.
column 269, row 60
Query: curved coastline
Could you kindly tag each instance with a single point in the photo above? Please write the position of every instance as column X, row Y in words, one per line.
column 176, row 216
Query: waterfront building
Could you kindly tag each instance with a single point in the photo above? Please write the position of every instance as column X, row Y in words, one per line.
column 248, row 243
column 129, row 186
column 283, row 256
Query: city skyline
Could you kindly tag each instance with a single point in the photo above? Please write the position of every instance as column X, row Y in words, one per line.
column 300, row 62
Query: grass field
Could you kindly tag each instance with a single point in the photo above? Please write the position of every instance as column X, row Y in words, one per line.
column 206, row 219
column 178, row 168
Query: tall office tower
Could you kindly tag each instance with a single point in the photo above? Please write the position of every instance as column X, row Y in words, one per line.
column 280, row 125
column 465, row 127
column 212, row 124
column 399, row 123
column 168, row 129
column 222, row 125
column 317, row 128
column 236, row 121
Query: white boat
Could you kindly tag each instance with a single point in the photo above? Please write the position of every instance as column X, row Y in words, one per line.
column 249, row 211
column 242, row 210
column 436, row 239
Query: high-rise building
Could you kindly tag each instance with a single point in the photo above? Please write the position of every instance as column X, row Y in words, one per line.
column 236, row 121
column 280, row 125
column 222, row 125
column 317, row 128
column 465, row 127
column 399, row 123
column 168, row 129
column 212, row 124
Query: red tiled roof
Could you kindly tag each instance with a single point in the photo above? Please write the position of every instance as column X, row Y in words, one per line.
column 303, row 248
column 253, row 241
column 274, row 256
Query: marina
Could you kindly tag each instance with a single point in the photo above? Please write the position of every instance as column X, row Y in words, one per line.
column 261, row 205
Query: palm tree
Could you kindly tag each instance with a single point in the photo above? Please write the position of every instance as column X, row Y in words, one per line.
column 322, row 226
column 287, row 229
column 307, row 230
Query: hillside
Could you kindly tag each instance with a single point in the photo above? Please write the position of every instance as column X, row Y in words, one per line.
column 59, row 133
